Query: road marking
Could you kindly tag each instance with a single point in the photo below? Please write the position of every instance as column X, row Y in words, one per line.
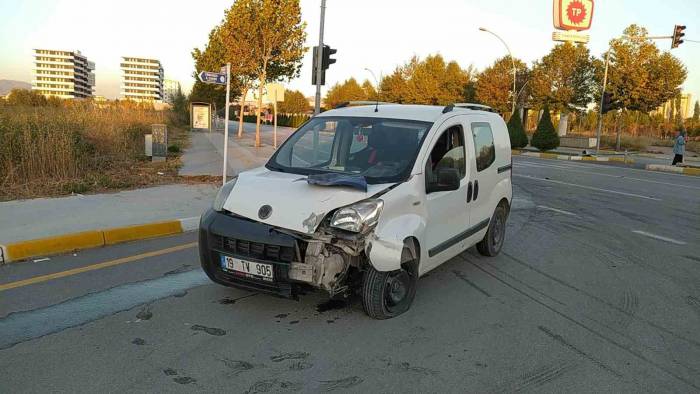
column 592, row 165
column 659, row 237
column 75, row 271
column 571, row 169
column 589, row 187
column 546, row 208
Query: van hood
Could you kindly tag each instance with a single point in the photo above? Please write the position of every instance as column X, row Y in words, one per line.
column 296, row 205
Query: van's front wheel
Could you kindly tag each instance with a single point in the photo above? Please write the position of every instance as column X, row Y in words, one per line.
column 493, row 240
column 389, row 294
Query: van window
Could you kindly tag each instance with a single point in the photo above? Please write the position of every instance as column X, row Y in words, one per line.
column 315, row 147
column 483, row 145
column 448, row 152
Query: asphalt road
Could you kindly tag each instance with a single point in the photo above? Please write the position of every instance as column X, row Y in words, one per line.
column 597, row 290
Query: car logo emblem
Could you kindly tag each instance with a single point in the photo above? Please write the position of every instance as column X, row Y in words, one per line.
column 264, row 212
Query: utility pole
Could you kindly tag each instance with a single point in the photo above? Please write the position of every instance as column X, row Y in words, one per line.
column 602, row 97
column 318, row 60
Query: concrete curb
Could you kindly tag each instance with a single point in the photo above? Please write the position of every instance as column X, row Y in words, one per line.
column 673, row 169
column 22, row 250
column 556, row 156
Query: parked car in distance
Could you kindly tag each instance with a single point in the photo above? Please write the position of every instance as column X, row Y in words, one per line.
column 364, row 199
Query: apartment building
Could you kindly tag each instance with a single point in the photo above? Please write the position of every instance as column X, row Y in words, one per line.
column 142, row 79
column 681, row 105
column 170, row 89
column 63, row 74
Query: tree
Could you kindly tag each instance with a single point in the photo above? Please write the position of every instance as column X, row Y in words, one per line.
column 564, row 78
column 180, row 106
column 294, row 103
column 393, row 86
column 516, row 132
column 545, row 138
column 696, row 112
column 427, row 81
column 495, row 84
column 370, row 91
column 640, row 77
column 340, row 93
column 212, row 58
column 271, row 34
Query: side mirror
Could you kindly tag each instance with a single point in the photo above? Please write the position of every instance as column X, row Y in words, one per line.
column 446, row 179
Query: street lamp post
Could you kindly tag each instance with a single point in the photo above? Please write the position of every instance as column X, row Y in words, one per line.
column 512, row 59
column 376, row 83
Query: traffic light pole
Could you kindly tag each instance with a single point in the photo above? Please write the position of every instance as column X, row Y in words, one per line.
column 602, row 97
column 318, row 60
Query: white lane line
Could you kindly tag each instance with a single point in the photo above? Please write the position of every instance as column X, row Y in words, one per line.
column 570, row 169
column 546, row 208
column 588, row 187
column 660, row 238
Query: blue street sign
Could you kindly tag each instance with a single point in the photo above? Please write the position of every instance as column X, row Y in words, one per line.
column 212, row 77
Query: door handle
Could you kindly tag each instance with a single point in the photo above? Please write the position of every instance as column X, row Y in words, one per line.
column 476, row 189
column 469, row 192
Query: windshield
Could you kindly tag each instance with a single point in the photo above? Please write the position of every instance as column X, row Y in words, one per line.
column 382, row 150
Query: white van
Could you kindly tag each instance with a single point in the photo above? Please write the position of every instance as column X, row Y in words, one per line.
column 364, row 199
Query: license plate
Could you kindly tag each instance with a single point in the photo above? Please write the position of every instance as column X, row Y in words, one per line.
column 247, row 268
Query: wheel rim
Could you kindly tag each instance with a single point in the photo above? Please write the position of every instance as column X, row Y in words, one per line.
column 498, row 230
column 396, row 289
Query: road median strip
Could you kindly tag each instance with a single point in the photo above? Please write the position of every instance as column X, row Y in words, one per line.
column 22, row 250
column 559, row 156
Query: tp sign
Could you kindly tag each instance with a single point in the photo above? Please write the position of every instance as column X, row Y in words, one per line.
column 212, row 77
column 573, row 14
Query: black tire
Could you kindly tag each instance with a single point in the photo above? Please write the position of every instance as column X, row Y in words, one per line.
column 389, row 294
column 493, row 240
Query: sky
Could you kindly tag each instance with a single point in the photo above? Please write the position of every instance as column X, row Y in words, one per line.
column 375, row 34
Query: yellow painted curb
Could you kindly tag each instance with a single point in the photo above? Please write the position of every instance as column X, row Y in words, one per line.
column 53, row 245
column 515, row 152
column 23, row 250
column 142, row 231
column 691, row 171
column 549, row 155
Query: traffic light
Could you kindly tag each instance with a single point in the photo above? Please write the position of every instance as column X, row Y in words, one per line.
column 678, row 35
column 326, row 61
column 327, row 52
column 607, row 102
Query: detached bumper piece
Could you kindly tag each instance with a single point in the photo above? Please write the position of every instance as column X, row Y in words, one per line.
column 221, row 234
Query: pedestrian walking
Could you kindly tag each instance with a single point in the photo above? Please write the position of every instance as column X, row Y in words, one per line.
column 679, row 147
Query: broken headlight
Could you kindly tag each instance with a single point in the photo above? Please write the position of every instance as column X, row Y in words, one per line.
column 223, row 194
column 358, row 217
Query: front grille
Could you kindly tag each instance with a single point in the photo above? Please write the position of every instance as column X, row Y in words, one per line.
column 256, row 250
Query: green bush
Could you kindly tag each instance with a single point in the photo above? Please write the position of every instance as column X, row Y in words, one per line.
column 516, row 132
column 545, row 137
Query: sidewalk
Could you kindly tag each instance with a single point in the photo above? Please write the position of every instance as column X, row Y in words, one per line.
column 206, row 152
column 44, row 217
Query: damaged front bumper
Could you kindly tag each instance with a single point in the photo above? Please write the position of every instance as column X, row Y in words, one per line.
column 221, row 234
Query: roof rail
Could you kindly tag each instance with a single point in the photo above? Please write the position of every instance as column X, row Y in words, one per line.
column 357, row 103
column 474, row 107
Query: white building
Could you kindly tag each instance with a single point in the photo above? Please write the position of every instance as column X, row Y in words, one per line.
column 142, row 79
column 170, row 88
column 63, row 74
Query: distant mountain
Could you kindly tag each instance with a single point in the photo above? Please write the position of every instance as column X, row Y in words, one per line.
column 7, row 84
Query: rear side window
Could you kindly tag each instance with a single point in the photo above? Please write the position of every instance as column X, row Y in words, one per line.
column 483, row 145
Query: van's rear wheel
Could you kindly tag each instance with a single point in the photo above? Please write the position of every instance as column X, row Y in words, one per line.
column 493, row 240
column 389, row 294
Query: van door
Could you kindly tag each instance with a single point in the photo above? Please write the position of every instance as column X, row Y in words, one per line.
column 483, row 177
column 447, row 213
